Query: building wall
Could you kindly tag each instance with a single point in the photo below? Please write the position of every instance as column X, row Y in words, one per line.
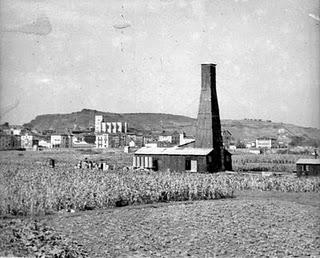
column 308, row 169
column 109, row 127
column 173, row 162
column 61, row 141
column 97, row 123
column 26, row 141
column 10, row 142
column 114, row 127
column 102, row 141
column 263, row 143
column 119, row 127
column 165, row 138
column 102, row 126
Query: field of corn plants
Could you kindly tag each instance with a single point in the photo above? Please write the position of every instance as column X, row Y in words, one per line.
column 28, row 191
column 266, row 162
column 28, row 186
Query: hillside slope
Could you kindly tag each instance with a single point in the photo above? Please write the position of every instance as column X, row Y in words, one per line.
column 240, row 129
column 137, row 121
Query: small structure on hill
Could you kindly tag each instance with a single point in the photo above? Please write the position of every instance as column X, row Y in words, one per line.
column 308, row 167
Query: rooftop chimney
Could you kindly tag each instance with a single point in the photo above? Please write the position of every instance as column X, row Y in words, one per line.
column 208, row 133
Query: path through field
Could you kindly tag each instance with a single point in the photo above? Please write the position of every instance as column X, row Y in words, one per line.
column 253, row 224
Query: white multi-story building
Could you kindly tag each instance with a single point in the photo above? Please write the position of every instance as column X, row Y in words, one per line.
column 119, row 126
column 97, row 123
column 61, row 141
column 45, row 144
column 265, row 142
column 109, row 127
column 114, row 127
column 26, row 141
column 102, row 126
column 102, row 141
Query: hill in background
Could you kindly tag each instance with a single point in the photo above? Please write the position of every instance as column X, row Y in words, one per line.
column 248, row 129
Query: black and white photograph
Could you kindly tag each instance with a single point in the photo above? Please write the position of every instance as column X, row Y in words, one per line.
column 159, row 128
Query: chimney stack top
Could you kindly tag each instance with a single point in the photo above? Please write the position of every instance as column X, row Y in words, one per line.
column 208, row 64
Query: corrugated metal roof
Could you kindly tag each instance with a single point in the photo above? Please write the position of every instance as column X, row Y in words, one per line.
column 309, row 161
column 174, row 151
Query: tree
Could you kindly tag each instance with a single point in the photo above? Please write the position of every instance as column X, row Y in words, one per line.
column 5, row 125
column 296, row 141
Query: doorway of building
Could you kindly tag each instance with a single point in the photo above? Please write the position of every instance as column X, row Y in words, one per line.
column 194, row 166
column 155, row 165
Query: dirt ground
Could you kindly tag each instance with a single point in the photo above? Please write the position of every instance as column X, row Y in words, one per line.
column 253, row 224
column 258, row 224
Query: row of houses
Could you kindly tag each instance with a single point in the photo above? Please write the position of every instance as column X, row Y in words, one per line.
column 27, row 141
column 259, row 143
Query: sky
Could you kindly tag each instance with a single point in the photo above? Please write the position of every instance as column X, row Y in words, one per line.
column 131, row 56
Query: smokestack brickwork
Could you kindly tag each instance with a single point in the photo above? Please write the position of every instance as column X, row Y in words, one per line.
column 208, row 133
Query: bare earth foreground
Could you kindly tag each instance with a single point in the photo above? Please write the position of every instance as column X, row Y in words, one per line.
column 253, row 224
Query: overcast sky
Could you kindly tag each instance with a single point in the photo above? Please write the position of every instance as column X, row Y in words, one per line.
column 145, row 56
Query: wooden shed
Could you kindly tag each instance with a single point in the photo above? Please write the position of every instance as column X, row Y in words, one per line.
column 179, row 159
column 308, row 167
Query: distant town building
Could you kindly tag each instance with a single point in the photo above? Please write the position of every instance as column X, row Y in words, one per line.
column 103, row 126
column 16, row 131
column 27, row 141
column 44, row 144
column 106, row 140
column 171, row 137
column 48, row 132
column 250, row 144
column 61, row 141
column 232, row 147
column 12, row 130
column 137, row 139
column 265, row 142
column 308, row 167
column 10, row 142
column 97, row 123
column 102, row 141
column 132, row 144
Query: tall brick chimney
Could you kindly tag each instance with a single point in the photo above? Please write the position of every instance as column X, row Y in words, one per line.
column 208, row 132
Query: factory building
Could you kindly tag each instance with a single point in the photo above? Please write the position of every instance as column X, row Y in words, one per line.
column 103, row 126
column 207, row 153
column 178, row 159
